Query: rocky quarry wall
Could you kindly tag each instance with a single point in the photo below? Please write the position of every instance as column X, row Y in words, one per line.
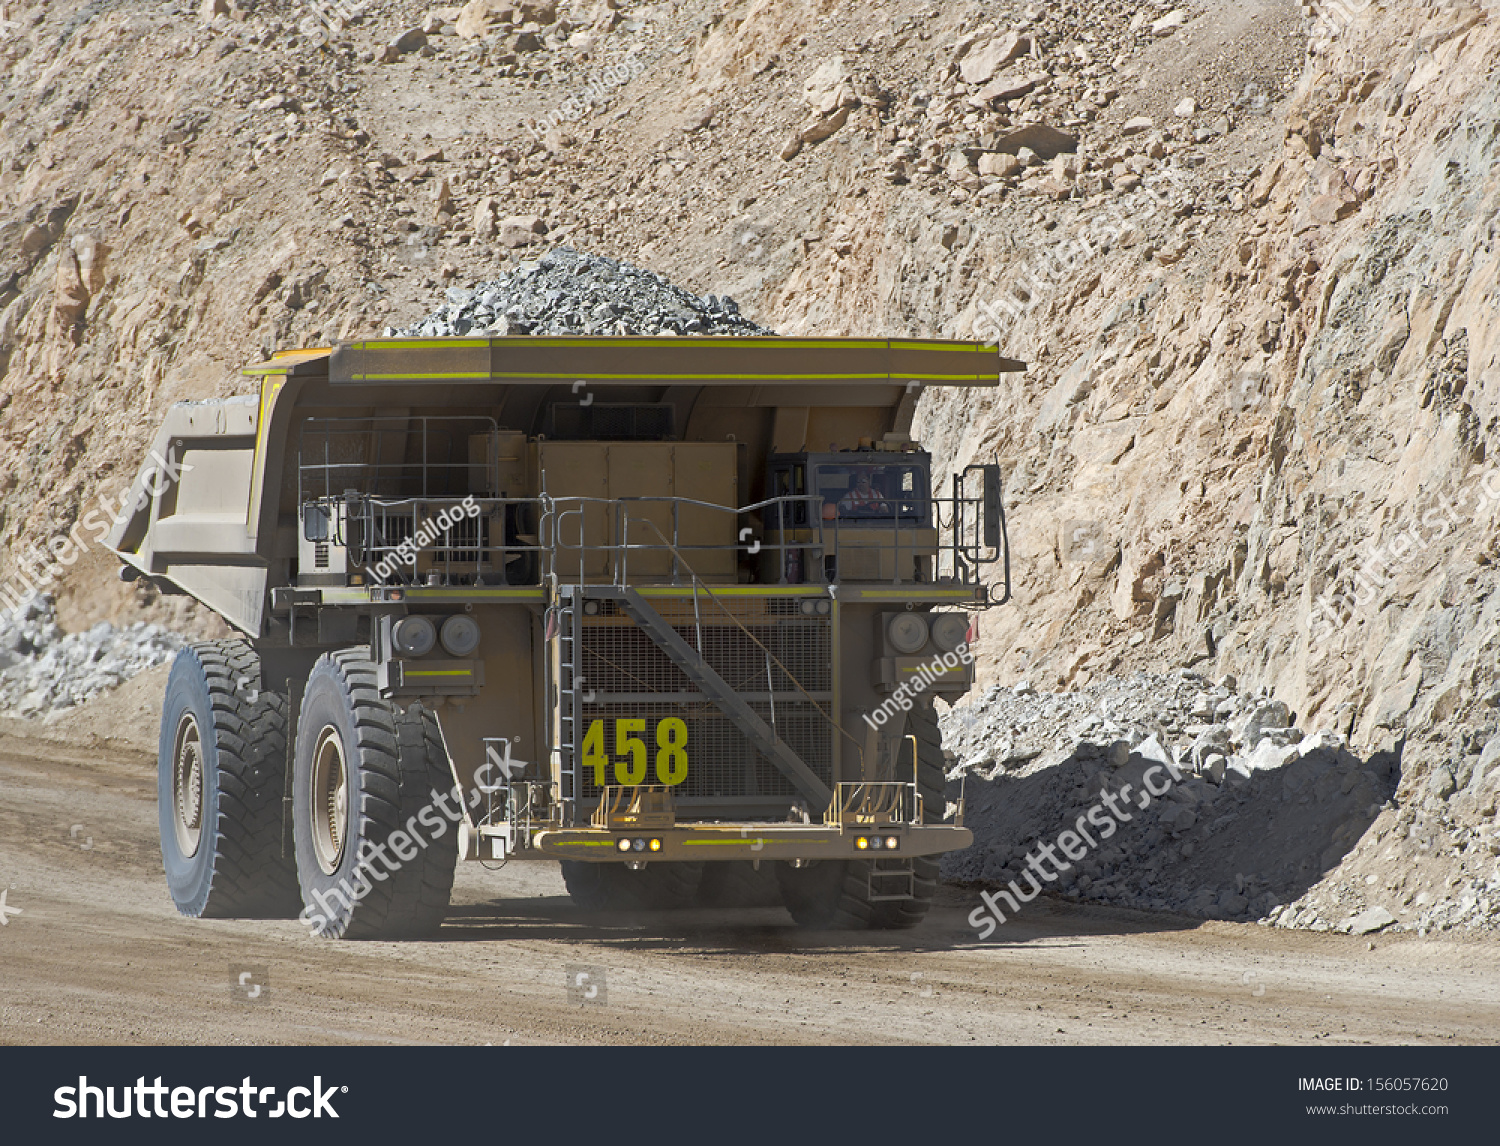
column 1250, row 258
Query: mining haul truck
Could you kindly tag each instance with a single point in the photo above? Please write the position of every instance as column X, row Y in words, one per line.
column 670, row 611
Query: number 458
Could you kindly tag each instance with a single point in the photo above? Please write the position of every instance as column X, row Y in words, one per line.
column 671, row 751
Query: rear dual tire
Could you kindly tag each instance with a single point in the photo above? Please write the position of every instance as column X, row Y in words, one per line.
column 364, row 772
column 221, row 769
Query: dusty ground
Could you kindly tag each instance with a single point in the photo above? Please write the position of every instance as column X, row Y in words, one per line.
column 98, row 955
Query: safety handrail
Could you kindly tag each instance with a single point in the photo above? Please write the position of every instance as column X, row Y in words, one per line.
column 366, row 523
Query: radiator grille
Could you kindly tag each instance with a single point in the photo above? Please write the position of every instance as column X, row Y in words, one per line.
column 629, row 676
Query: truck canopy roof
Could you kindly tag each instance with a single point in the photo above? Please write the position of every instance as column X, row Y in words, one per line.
column 638, row 361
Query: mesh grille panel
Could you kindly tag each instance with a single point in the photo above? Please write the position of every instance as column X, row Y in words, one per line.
column 617, row 657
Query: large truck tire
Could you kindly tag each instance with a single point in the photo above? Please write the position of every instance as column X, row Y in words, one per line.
column 587, row 884
column 221, row 771
column 375, row 851
column 614, row 887
column 827, row 895
column 738, row 883
column 835, row 894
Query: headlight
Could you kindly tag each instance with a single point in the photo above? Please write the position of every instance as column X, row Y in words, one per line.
column 622, row 845
column 949, row 630
column 460, row 635
column 907, row 632
column 414, row 636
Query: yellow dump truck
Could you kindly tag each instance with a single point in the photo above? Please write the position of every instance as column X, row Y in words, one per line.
column 670, row 611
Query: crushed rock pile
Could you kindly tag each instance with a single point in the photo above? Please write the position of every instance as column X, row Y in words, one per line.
column 1260, row 816
column 568, row 293
column 44, row 670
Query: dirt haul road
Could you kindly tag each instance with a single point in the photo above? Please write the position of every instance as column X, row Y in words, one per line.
column 92, row 951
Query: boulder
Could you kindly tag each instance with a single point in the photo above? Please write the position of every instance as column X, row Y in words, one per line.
column 411, row 40
column 1012, row 85
column 1441, row 783
column 70, row 297
column 821, row 129
column 1212, row 741
column 1170, row 22
column 1369, row 921
column 829, row 88
column 484, row 218
column 478, row 16
column 1489, row 759
column 1039, row 138
column 1151, row 750
column 1261, row 719
column 981, row 64
column 521, row 230
column 998, row 163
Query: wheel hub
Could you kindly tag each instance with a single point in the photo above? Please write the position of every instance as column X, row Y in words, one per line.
column 330, row 800
column 187, row 785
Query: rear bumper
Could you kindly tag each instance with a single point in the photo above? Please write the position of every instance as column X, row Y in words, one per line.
column 757, row 841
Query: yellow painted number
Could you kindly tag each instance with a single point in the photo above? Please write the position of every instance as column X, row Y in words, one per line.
column 635, row 748
column 671, row 751
column 593, row 752
column 671, row 755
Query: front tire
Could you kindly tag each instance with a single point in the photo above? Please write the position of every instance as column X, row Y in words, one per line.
column 221, row 768
column 375, row 854
column 614, row 887
column 738, row 883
